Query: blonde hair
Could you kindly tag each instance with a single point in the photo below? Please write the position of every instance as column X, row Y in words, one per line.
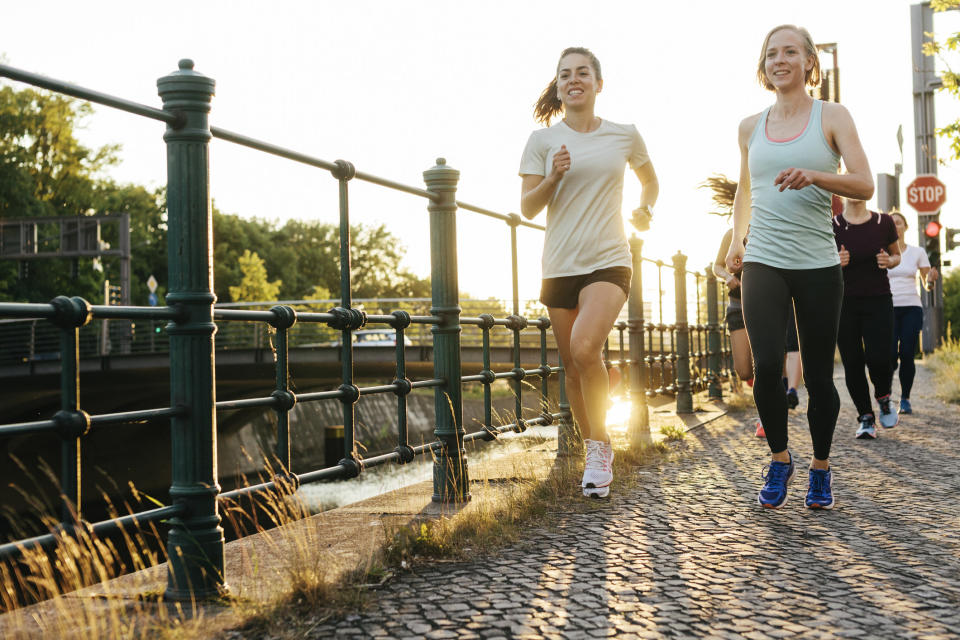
column 811, row 78
column 901, row 216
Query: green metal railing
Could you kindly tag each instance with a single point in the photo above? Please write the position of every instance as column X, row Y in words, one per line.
column 195, row 540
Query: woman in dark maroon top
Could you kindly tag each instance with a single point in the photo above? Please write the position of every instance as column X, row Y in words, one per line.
column 868, row 246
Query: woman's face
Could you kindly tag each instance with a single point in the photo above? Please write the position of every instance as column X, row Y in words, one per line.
column 577, row 82
column 901, row 226
column 787, row 61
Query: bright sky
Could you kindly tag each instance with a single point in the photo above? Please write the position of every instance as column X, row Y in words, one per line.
column 391, row 86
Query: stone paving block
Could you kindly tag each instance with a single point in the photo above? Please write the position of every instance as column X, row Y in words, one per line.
column 688, row 553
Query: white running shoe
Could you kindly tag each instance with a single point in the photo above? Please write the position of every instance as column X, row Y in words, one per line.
column 598, row 470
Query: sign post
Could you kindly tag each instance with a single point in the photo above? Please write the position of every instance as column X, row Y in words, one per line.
column 927, row 194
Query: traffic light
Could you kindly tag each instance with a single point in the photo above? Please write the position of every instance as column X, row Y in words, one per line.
column 952, row 238
column 931, row 240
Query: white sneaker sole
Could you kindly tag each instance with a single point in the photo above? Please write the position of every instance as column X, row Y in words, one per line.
column 591, row 491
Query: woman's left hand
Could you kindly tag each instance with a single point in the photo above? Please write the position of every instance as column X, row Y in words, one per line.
column 883, row 259
column 932, row 275
column 794, row 178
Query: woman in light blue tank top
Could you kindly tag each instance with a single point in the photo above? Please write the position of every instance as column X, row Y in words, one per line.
column 789, row 162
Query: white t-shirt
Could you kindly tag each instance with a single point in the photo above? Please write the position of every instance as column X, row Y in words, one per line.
column 903, row 277
column 584, row 223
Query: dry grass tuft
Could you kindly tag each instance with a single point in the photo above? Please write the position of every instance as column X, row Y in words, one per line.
column 945, row 362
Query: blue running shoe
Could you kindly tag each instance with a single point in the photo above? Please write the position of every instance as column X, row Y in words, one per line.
column 820, row 491
column 778, row 475
column 866, row 430
column 905, row 406
column 888, row 417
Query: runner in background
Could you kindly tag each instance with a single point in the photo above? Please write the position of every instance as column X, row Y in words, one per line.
column 868, row 246
column 907, row 307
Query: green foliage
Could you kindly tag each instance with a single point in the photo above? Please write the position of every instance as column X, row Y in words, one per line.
column 254, row 285
column 45, row 171
column 951, row 301
column 306, row 256
column 951, row 80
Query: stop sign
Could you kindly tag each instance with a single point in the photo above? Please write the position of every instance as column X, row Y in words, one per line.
column 926, row 193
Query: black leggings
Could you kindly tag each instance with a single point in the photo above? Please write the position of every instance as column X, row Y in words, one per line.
column 866, row 331
column 907, row 323
column 816, row 296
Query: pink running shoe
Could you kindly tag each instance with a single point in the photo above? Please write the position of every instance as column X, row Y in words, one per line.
column 760, row 432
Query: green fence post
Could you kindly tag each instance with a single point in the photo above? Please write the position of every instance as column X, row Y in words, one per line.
column 715, row 389
column 639, row 430
column 195, row 541
column 682, row 346
column 451, row 482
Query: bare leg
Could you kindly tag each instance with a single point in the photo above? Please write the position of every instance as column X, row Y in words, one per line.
column 742, row 357
column 561, row 322
column 794, row 369
column 599, row 305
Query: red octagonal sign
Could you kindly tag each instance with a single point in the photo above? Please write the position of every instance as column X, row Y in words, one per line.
column 926, row 193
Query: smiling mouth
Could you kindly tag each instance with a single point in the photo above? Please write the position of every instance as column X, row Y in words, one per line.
column 575, row 92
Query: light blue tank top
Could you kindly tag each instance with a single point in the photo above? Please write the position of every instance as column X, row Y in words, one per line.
column 791, row 229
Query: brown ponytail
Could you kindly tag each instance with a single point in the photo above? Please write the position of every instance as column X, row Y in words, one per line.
column 549, row 104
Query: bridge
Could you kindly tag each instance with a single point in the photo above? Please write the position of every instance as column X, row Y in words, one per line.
column 654, row 358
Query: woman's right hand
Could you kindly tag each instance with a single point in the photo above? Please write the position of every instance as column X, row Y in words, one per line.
column 844, row 256
column 561, row 163
column 733, row 282
column 734, row 259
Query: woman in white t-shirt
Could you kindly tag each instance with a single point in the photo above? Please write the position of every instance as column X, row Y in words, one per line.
column 575, row 169
column 907, row 308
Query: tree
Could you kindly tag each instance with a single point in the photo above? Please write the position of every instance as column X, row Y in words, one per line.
column 306, row 255
column 951, row 80
column 254, row 286
column 45, row 171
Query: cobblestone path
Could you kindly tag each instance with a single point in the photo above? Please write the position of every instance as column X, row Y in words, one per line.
column 689, row 553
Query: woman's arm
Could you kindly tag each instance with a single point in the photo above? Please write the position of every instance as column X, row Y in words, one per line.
column 536, row 191
column 649, row 184
column 649, row 191
column 719, row 264
column 929, row 275
column 841, row 134
column 890, row 257
column 741, row 201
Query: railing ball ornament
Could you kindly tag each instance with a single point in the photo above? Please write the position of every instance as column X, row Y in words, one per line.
column 285, row 400
column 351, row 467
column 405, row 453
column 349, row 394
column 490, row 434
column 488, row 376
column 544, row 322
column 72, row 424
column 521, row 425
column 284, row 316
column 486, row 321
column 519, row 373
column 547, row 418
column 516, row 323
column 344, row 319
column 402, row 387
column 514, row 219
column 71, row 312
column 401, row 319
column 545, row 371
column 344, row 170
